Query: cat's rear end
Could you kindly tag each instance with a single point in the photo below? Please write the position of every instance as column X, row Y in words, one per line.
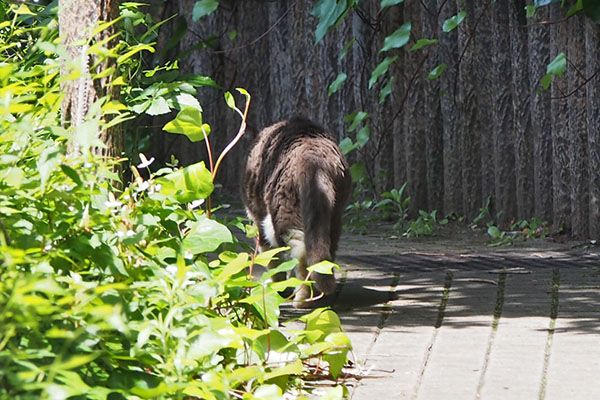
column 295, row 188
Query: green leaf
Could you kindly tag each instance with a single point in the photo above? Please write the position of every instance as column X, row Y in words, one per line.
column 437, row 71
column 591, row 8
column 575, row 8
column 336, row 393
column 530, row 11
column 346, row 48
column 188, row 122
column 207, row 235
column 337, row 358
column 265, row 257
column 397, row 39
column 362, row 137
column 49, row 158
column 386, row 90
column 323, row 267
column 356, row 119
column 238, row 264
column 337, row 83
column 266, row 302
column 346, row 145
column 452, row 22
column 323, row 321
column 187, row 184
column 558, row 65
column 381, row 69
column 329, row 13
column 13, row 176
column 423, row 43
column 546, row 81
column 230, row 100
column 357, row 171
column 203, row 8
column 293, row 368
column 389, row 3
column 200, row 80
column 158, row 106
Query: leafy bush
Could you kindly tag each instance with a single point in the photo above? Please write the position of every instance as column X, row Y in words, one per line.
column 132, row 292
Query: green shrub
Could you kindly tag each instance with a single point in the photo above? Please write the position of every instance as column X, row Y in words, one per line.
column 129, row 290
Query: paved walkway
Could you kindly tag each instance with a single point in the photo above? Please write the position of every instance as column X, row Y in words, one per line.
column 447, row 320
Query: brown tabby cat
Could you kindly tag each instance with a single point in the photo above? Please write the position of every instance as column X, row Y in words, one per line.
column 295, row 189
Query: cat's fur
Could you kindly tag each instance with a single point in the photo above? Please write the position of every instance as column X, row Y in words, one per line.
column 295, row 189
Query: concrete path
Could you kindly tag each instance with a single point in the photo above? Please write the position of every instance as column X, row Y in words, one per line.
column 439, row 320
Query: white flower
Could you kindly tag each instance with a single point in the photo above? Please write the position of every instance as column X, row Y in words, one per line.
column 172, row 269
column 145, row 162
column 196, row 203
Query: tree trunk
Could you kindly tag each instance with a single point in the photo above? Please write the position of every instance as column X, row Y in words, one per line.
column 503, row 118
column 577, row 128
column 560, row 135
column 592, row 44
column 453, row 203
column 468, row 124
column 539, row 57
column 521, row 104
column 77, row 19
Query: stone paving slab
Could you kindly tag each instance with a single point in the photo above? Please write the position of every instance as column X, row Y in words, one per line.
column 452, row 324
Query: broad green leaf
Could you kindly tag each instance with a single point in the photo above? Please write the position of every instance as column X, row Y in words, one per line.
column 323, row 267
column 381, row 69
column 346, row 48
column 266, row 302
column 337, row 83
column 283, row 267
column 187, row 184
column 336, row 393
column 423, row 43
column 49, row 158
column 452, row 22
column 329, row 13
column 397, row 39
column 240, row 263
column 207, row 235
column 357, row 171
column 268, row 392
column 356, row 119
column 265, row 257
column 187, row 100
column 203, row 8
column 199, row 80
column 575, row 8
column 437, row 71
column 134, row 50
column 188, row 122
column 337, row 358
column 346, row 145
column 13, row 176
column 323, row 321
column 230, row 100
column 389, row 3
column 558, row 65
column 293, row 368
column 529, row 11
column 362, row 137
column 158, row 106
column 386, row 90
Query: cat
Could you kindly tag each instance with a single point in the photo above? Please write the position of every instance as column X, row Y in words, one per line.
column 295, row 188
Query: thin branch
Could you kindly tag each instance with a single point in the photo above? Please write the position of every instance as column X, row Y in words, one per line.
column 253, row 42
column 585, row 82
